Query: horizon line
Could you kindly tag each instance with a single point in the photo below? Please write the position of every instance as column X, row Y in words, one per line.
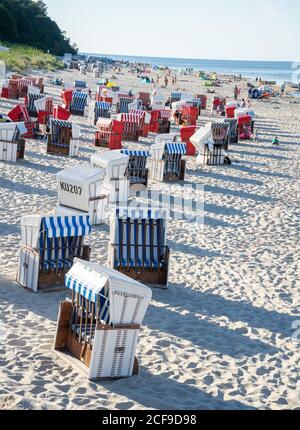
column 187, row 58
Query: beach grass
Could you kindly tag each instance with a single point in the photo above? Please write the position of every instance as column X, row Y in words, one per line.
column 21, row 59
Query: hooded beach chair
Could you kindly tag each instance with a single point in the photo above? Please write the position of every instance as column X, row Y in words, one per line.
column 79, row 104
column 233, row 130
column 30, row 100
column 186, row 133
column 167, row 163
column 240, row 112
column 146, row 99
column 176, row 97
column 220, row 133
column 158, row 102
column 80, row 85
column 63, row 138
column 12, row 143
column 97, row 331
column 123, row 104
column 99, row 110
column 189, row 115
column 145, row 119
column 49, row 245
column 164, row 123
column 132, row 125
column 210, row 153
column 116, row 181
column 67, row 96
column 44, row 107
column 230, row 109
column 13, row 89
column 61, row 113
column 137, row 171
column 245, row 127
column 20, row 114
column 109, row 134
column 80, row 190
column 138, row 245
column 24, row 84
column 219, row 104
column 203, row 101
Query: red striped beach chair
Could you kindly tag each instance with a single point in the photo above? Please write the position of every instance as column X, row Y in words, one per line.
column 20, row 114
column 189, row 115
column 146, row 99
column 109, row 133
column 133, row 125
column 186, row 133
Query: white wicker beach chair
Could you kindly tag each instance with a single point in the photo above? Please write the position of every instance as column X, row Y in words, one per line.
column 116, row 181
column 63, row 138
column 80, row 190
column 138, row 245
column 98, row 330
column 209, row 152
column 137, row 171
column 12, row 146
column 49, row 245
column 166, row 161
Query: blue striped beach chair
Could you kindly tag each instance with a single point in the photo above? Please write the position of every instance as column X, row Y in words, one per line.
column 138, row 245
column 78, row 103
column 49, row 245
column 63, row 138
column 101, row 110
column 220, row 133
column 176, row 97
column 123, row 104
column 137, row 171
column 233, row 130
column 167, row 163
column 100, row 326
column 80, row 84
column 30, row 100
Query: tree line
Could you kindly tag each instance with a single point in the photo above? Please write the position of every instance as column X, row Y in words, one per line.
column 27, row 22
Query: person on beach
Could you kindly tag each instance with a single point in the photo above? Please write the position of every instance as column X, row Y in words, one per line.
column 235, row 92
column 166, row 81
column 243, row 104
column 275, row 141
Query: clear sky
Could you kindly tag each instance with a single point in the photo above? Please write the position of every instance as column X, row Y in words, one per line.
column 200, row 29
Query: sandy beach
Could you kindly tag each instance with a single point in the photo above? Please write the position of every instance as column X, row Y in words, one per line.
column 221, row 336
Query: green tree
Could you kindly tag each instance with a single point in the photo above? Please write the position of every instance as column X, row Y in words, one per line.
column 27, row 22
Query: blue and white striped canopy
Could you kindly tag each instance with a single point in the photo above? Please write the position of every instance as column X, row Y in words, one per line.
column 60, row 123
column 176, row 148
column 80, row 84
column 92, row 293
column 132, row 153
column 102, row 105
column 141, row 213
column 71, row 226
